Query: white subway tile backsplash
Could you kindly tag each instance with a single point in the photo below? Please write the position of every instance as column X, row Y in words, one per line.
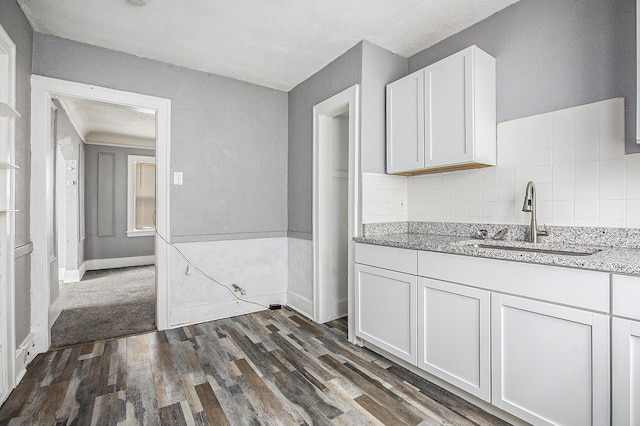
column 542, row 157
column 545, row 191
column 586, row 209
column 633, row 189
column 612, row 169
column 586, row 171
column 563, row 154
column 633, row 166
column 575, row 156
column 586, row 120
column 562, row 127
column 611, row 189
column 584, row 152
column 563, row 172
column 611, row 210
column 542, row 130
column 542, row 174
column 633, row 210
column 522, row 134
column 586, row 189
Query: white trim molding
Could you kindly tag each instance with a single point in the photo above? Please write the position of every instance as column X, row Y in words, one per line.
column 347, row 100
column 7, row 216
column 43, row 89
column 75, row 275
column 118, row 262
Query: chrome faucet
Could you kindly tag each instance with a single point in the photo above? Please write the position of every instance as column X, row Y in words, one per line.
column 529, row 205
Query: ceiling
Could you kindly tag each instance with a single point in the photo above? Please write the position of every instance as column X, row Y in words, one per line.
column 277, row 43
column 100, row 123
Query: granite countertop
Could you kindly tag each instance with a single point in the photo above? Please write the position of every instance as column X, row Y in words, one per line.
column 605, row 259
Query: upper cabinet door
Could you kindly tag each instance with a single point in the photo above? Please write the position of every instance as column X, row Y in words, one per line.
column 443, row 117
column 405, row 124
column 448, row 112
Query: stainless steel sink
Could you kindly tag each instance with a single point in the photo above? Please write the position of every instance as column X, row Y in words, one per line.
column 576, row 252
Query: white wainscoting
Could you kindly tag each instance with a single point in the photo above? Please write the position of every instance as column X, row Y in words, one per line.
column 300, row 289
column 257, row 266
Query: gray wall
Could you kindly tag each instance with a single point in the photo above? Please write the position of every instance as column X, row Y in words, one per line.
column 18, row 28
column 228, row 137
column 379, row 68
column 554, row 54
column 342, row 73
column 111, row 212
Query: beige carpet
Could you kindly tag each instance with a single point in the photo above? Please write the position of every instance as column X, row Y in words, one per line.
column 106, row 304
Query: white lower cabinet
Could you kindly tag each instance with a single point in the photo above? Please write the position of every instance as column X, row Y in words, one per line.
column 385, row 310
column 550, row 363
column 626, row 372
column 454, row 335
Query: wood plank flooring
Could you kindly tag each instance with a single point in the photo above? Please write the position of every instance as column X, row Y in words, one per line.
column 271, row 367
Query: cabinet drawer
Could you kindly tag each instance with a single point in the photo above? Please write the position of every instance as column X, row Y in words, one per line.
column 572, row 287
column 392, row 258
column 626, row 296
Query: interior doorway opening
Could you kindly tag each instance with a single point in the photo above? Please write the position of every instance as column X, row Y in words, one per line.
column 43, row 90
column 105, row 182
column 336, row 219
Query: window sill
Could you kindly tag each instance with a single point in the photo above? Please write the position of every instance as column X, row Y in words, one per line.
column 141, row 233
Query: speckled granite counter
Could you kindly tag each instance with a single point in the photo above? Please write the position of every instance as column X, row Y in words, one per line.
column 621, row 260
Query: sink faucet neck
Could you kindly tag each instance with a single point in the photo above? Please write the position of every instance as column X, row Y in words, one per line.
column 529, row 205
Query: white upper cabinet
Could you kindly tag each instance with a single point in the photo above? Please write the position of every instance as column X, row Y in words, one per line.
column 405, row 123
column 443, row 117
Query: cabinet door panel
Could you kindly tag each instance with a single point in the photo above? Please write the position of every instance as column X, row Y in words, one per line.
column 550, row 363
column 626, row 372
column 454, row 335
column 405, row 124
column 386, row 310
column 448, row 110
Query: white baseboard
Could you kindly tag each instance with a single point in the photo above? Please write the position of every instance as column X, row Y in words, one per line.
column 23, row 356
column 301, row 304
column 119, row 262
column 75, row 275
column 187, row 315
column 55, row 310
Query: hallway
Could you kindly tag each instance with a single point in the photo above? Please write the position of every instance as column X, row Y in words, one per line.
column 107, row 303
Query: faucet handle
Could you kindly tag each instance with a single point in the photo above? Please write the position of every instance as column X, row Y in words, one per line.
column 544, row 232
column 501, row 234
column 481, row 234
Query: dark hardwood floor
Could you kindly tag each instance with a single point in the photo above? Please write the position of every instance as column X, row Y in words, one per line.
column 271, row 367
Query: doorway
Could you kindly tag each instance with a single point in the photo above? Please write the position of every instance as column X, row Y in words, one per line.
column 105, row 170
column 44, row 89
column 336, row 219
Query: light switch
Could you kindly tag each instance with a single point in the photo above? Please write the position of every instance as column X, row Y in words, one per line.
column 402, row 205
column 177, row 178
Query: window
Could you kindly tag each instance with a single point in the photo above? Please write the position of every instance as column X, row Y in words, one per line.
column 141, row 196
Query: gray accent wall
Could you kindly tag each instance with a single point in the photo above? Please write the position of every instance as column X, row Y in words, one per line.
column 16, row 25
column 342, row 73
column 228, row 137
column 379, row 68
column 106, row 204
column 554, row 54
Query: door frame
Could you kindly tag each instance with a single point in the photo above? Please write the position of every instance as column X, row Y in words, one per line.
column 42, row 91
column 347, row 100
column 7, row 265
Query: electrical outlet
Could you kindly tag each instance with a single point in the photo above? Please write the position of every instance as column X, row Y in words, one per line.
column 402, row 205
